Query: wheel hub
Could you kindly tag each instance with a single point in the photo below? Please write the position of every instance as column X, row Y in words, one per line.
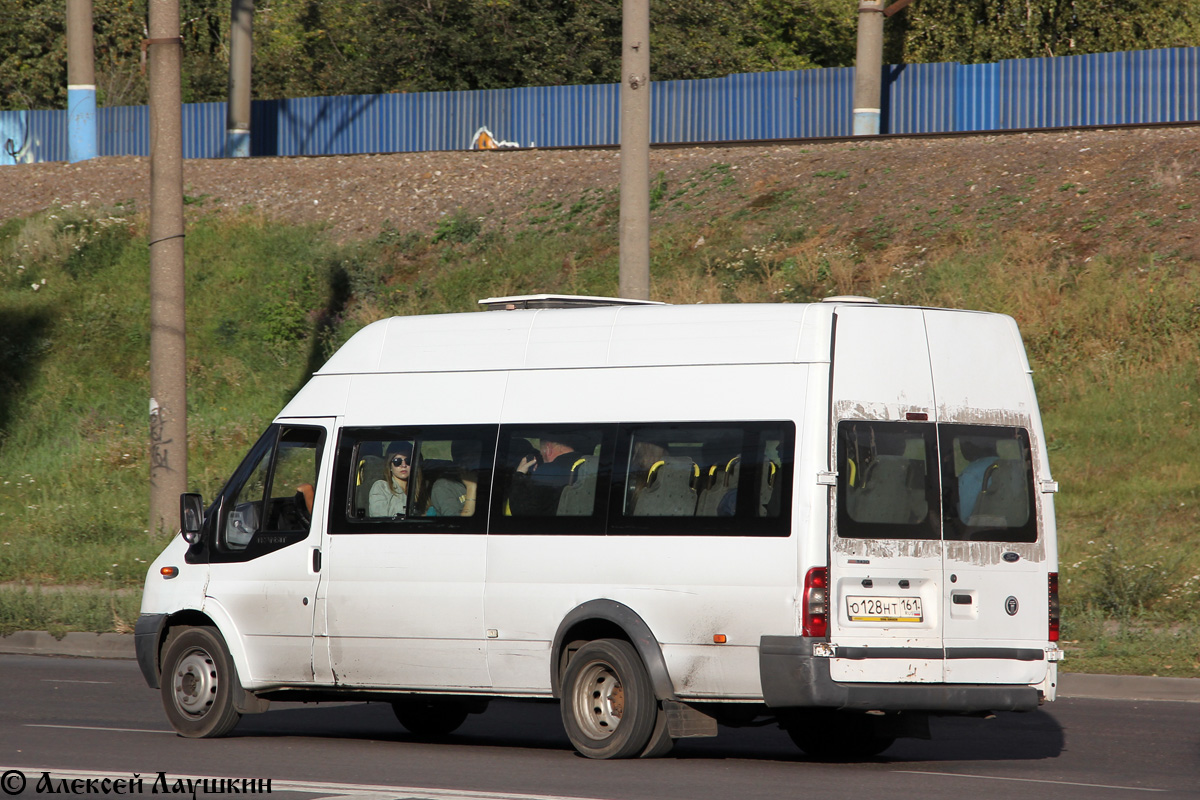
column 195, row 683
column 600, row 701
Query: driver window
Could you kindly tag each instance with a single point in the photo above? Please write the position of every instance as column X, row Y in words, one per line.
column 294, row 482
column 290, row 472
column 245, row 512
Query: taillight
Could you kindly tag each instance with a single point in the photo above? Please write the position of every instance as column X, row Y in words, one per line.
column 1055, row 615
column 816, row 603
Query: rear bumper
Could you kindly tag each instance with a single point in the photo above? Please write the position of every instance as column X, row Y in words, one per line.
column 792, row 677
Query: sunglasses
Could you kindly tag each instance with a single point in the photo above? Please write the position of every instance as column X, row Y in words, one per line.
column 399, row 460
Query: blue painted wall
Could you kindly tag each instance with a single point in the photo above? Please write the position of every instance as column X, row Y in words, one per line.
column 1103, row 89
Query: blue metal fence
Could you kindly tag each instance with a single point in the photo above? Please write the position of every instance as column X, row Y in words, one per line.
column 1103, row 89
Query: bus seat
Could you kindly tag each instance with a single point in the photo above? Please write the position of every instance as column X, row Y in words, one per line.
column 889, row 492
column 578, row 498
column 1004, row 499
column 720, row 480
column 766, row 483
column 369, row 470
column 669, row 490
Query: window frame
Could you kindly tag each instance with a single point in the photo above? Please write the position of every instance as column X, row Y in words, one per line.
column 930, row 528
column 342, row 523
column 211, row 547
column 939, row 443
column 743, row 523
column 594, row 524
column 953, row 528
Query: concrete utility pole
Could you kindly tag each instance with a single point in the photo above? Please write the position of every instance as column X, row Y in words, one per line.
column 635, row 150
column 168, row 376
column 241, row 39
column 868, row 68
column 81, row 82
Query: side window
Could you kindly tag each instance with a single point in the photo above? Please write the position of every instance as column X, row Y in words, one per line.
column 987, row 483
column 271, row 506
column 415, row 480
column 552, row 479
column 721, row 478
column 383, row 479
column 245, row 512
column 887, row 480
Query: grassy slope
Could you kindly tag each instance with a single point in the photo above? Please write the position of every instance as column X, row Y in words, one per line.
column 1113, row 340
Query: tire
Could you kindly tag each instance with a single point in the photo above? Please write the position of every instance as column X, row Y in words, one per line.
column 199, row 684
column 660, row 739
column 429, row 717
column 608, row 706
column 828, row 735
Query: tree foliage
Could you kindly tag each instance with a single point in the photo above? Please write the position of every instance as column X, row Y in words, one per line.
column 317, row 47
column 984, row 31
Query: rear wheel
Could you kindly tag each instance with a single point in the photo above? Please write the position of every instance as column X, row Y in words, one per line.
column 608, row 705
column 830, row 735
column 430, row 717
column 198, row 684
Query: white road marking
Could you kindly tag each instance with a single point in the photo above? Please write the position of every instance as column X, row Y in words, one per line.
column 326, row 791
column 1031, row 780
column 90, row 728
column 56, row 680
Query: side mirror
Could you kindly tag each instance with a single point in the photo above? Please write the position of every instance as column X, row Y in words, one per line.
column 191, row 516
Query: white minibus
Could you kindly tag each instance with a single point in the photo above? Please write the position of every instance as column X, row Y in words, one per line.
column 836, row 517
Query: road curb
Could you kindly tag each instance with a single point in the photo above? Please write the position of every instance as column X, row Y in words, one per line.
column 1070, row 684
column 1128, row 687
column 79, row 645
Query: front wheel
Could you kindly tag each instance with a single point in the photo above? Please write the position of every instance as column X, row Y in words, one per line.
column 198, row 684
column 608, row 705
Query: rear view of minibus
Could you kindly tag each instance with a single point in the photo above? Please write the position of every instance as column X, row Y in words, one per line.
column 939, row 595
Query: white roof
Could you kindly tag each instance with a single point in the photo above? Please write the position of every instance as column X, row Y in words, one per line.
column 617, row 336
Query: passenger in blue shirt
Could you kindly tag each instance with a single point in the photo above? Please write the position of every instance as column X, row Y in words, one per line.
column 981, row 453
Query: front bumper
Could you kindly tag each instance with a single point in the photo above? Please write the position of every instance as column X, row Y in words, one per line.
column 792, row 677
column 146, row 636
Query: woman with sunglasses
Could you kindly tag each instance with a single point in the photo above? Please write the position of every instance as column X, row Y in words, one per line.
column 389, row 497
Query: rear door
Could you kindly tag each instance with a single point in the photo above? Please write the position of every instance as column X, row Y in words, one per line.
column 886, row 571
column 995, row 568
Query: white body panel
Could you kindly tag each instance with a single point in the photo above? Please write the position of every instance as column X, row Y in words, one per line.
column 943, row 367
column 991, row 385
column 881, row 372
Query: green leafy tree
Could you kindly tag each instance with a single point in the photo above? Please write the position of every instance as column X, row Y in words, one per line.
column 33, row 56
column 984, row 31
column 119, row 27
column 809, row 33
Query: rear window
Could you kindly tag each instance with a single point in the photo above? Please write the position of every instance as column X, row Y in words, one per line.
column 887, row 487
column 918, row 480
column 987, row 484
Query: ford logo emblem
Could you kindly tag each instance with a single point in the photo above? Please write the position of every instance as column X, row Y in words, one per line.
column 1011, row 605
column 1012, row 558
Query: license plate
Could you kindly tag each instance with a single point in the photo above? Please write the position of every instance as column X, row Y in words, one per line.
column 884, row 609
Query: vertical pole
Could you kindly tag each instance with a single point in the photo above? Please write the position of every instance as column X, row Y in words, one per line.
column 168, row 378
column 81, row 82
column 635, row 150
column 241, row 38
column 868, row 68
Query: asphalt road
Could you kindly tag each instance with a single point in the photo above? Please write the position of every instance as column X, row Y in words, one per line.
column 91, row 718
